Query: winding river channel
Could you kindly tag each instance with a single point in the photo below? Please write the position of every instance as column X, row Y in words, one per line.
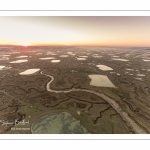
column 135, row 127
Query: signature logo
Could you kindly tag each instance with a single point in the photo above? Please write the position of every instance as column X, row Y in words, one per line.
column 16, row 122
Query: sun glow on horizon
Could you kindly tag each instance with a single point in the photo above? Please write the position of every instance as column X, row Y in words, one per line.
column 25, row 44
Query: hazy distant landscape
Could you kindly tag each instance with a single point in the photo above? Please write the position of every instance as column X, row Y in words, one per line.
column 66, row 89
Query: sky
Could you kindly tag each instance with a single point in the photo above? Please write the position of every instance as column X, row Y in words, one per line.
column 75, row 30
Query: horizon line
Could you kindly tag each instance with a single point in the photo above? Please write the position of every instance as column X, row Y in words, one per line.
column 36, row 45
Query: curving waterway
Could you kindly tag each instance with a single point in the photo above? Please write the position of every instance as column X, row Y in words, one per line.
column 135, row 127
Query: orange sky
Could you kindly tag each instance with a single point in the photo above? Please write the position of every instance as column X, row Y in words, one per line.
column 98, row 31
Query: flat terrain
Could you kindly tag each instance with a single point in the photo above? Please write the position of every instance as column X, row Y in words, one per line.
column 24, row 99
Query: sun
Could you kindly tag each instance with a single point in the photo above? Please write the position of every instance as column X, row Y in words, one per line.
column 25, row 45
